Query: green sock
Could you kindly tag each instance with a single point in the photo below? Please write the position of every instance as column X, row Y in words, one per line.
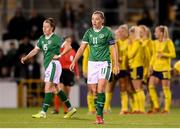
column 100, row 104
column 64, row 99
column 47, row 101
column 95, row 102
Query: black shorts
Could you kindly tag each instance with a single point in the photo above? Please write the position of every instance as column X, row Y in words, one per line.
column 113, row 77
column 136, row 73
column 165, row 75
column 121, row 74
column 67, row 77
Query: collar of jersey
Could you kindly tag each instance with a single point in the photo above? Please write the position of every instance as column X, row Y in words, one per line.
column 47, row 37
column 97, row 30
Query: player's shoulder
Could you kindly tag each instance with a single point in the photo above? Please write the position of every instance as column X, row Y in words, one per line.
column 55, row 36
column 42, row 37
column 107, row 28
column 89, row 30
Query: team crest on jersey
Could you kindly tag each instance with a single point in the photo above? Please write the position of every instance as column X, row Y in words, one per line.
column 101, row 36
column 49, row 41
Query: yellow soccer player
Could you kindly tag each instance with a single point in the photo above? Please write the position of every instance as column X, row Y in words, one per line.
column 146, row 40
column 163, row 52
column 90, row 98
column 122, row 43
column 135, row 59
column 121, row 35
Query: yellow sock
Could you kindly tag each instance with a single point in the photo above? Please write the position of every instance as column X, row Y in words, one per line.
column 141, row 100
column 90, row 102
column 107, row 106
column 153, row 95
column 167, row 97
column 124, row 101
column 135, row 106
column 131, row 102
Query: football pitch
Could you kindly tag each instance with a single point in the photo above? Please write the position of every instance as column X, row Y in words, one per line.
column 21, row 118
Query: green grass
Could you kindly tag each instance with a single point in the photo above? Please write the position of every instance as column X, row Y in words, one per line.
column 21, row 118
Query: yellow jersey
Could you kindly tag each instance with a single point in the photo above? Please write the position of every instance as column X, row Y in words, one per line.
column 122, row 46
column 135, row 54
column 167, row 49
column 177, row 67
column 147, row 50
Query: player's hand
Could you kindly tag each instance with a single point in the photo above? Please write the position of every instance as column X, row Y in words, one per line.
column 160, row 55
column 116, row 70
column 84, row 74
column 56, row 57
column 23, row 59
column 150, row 71
column 71, row 67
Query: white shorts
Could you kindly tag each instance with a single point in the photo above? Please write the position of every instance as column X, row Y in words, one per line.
column 53, row 72
column 98, row 70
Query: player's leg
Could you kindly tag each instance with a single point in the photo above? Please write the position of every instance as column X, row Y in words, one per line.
column 103, row 77
column 92, row 81
column 90, row 101
column 47, row 101
column 166, row 91
column 152, row 91
column 100, row 100
column 124, row 95
column 63, row 97
column 50, row 80
column 136, row 76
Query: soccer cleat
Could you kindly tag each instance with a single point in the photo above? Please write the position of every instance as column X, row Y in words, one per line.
column 55, row 112
column 99, row 120
column 150, row 111
column 164, row 112
column 39, row 115
column 107, row 111
column 123, row 113
column 154, row 111
column 70, row 113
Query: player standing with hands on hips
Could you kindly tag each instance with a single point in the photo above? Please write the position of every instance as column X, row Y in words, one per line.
column 49, row 43
column 99, row 38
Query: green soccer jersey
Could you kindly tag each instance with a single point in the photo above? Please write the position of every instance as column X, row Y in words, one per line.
column 99, row 44
column 49, row 47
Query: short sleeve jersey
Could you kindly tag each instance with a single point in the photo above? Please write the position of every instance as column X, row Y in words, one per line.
column 99, row 43
column 49, row 47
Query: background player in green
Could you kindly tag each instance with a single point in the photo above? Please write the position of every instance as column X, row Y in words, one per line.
column 50, row 44
column 99, row 38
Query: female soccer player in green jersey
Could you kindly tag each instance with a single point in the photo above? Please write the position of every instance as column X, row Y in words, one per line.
column 99, row 39
column 49, row 44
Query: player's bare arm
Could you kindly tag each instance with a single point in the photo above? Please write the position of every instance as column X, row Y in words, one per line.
column 67, row 47
column 30, row 55
column 115, row 56
column 78, row 55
